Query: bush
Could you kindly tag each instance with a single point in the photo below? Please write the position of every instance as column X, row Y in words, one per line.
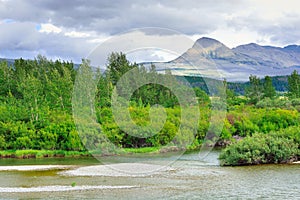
column 277, row 103
column 296, row 102
column 276, row 147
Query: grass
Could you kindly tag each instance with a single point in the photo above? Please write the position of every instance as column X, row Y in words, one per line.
column 30, row 153
column 142, row 150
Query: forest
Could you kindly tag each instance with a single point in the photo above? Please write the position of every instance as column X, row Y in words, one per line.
column 37, row 113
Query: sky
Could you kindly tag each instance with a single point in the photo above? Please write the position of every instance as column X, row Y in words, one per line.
column 71, row 29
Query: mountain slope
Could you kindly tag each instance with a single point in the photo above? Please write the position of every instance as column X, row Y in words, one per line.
column 210, row 58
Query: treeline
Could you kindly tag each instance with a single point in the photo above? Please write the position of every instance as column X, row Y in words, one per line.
column 262, row 92
column 280, row 84
column 259, row 90
column 36, row 104
column 36, row 107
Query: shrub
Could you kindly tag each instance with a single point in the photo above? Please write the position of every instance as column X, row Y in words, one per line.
column 276, row 147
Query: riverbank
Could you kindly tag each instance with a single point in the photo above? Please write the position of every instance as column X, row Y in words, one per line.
column 25, row 154
column 30, row 153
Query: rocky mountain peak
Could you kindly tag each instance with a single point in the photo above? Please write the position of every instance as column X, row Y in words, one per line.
column 238, row 63
column 206, row 42
column 212, row 48
column 295, row 48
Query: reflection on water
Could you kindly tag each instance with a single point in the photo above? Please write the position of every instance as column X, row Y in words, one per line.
column 188, row 178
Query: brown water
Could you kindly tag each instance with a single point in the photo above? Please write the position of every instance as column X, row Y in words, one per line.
column 187, row 178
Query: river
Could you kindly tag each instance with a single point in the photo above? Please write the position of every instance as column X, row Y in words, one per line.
column 186, row 178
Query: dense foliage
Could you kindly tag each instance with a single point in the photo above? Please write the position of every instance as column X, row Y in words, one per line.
column 275, row 147
column 294, row 85
column 36, row 109
column 35, row 105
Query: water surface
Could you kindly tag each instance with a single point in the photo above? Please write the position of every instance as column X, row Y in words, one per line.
column 187, row 178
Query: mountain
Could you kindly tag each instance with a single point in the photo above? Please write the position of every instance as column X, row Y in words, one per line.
column 211, row 58
column 8, row 60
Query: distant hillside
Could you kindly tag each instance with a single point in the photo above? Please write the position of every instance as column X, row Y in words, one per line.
column 210, row 58
column 9, row 61
column 280, row 83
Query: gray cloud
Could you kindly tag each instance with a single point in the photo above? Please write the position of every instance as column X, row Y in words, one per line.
column 265, row 21
column 23, row 40
column 190, row 17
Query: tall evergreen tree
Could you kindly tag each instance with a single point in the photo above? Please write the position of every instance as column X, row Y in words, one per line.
column 230, row 95
column 84, row 88
column 294, row 85
column 117, row 66
column 269, row 90
column 255, row 90
column 31, row 89
column 7, row 82
column 104, row 90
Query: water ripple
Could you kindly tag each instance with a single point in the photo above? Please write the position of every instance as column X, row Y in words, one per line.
column 59, row 188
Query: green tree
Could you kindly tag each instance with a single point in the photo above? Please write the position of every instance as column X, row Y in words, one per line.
column 31, row 89
column 59, row 88
column 85, row 87
column 269, row 90
column 294, row 85
column 7, row 83
column 255, row 91
column 230, row 95
column 117, row 66
column 203, row 98
column 104, row 90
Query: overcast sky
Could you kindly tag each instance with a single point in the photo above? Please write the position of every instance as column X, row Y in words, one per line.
column 70, row 29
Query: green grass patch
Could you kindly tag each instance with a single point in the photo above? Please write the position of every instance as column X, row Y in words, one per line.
column 30, row 153
column 142, row 150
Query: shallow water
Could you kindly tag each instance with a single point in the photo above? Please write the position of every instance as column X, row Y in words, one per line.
column 187, row 178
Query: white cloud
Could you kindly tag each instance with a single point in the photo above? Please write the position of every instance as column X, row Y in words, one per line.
column 49, row 28
column 274, row 10
column 232, row 37
column 151, row 55
column 76, row 34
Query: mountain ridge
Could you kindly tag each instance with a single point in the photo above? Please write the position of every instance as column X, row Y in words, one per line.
column 209, row 57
